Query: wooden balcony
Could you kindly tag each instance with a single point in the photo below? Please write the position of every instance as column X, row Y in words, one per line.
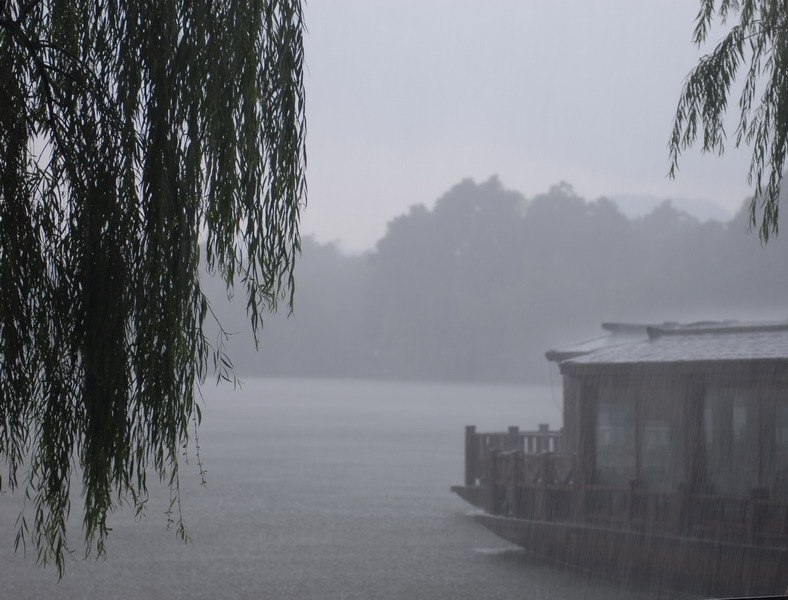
column 526, row 475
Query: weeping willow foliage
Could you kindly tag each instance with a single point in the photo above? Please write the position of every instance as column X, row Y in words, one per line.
column 757, row 42
column 132, row 134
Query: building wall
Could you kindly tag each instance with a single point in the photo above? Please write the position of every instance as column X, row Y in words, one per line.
column 639, row 432
column 717, row 428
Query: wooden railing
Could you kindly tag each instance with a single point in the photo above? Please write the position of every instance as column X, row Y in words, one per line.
column 754, row 519
column 529, row 486
column 479, row 445
column 544, row 485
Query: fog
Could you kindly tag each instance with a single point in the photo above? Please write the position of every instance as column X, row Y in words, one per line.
column 318, row 490
column 406, row 98
column 487, row 181
column 478, row 287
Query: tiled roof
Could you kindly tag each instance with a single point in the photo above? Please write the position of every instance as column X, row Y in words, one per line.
column 620, row 334
column 706, row 342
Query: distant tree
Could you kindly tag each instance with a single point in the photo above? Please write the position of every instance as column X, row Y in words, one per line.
column 439, row 280
column 322, row 337
column 758, row 41
column 129, row 131
column 477, row 287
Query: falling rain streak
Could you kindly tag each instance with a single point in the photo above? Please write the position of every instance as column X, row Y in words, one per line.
column 324, row 489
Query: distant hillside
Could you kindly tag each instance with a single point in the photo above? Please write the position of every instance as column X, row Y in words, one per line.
column 634, row 206
column 480, row 286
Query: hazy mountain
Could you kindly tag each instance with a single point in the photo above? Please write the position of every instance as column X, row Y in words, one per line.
column 639, row 205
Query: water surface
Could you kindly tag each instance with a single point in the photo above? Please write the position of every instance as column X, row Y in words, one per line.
column 319, row 490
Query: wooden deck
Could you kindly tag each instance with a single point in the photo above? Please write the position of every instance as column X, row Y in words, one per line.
column 530, row 489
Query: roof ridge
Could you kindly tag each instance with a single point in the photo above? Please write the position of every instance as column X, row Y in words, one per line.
column 712, row 328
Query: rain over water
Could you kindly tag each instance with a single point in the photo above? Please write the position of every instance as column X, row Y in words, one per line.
column 324, row 489
column 487, row 182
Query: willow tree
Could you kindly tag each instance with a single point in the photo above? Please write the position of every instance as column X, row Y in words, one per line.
column 756, row 43
column 132, row 135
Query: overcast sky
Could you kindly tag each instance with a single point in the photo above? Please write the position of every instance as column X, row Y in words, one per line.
column 407, row 97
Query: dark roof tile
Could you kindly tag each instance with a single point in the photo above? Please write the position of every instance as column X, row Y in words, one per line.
column 730, row 343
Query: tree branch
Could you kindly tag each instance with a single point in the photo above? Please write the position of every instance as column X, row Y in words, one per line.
column 26, row 10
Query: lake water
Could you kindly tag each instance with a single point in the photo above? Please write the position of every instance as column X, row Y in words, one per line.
column 321, row 490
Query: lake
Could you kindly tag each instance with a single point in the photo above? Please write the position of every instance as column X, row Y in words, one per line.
column 321, row 489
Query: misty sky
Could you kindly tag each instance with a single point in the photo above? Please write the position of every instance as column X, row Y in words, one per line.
column 407, row 97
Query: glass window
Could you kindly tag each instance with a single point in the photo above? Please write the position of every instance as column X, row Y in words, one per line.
column 732, row 440
column 776, row 459
column 615, row 443
column 661, row 446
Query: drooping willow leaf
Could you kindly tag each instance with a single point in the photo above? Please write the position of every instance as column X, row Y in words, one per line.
column 133, row 135
column 758, row 42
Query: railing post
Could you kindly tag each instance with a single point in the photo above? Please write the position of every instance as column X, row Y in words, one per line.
column 785, row 520
column 749, row 519
column 631, row 501
column 543, row 442
column 541, row 490
column 513, row 439
column 754, row 512
column 517, row 459
column 685, row 509
column 578, row 495
column 492, row 499
column 471, row 455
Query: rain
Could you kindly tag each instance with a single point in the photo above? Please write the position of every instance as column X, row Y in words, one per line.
column 522, row 361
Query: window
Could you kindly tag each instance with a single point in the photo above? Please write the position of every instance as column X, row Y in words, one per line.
column 732, row 440
column 615, row 435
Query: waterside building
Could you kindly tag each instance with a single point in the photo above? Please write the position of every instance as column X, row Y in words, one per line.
column 672, row 464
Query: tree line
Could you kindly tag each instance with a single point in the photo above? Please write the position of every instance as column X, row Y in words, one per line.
column 480, row 286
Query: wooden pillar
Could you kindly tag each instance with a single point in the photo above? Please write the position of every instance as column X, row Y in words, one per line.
column 471, row 455
column 684, row 513
column 514, row 483
column 631, row 500
column 543, row 440
column 785, row 520
column 587, row 409
column 581, row 438
column 542, row 510
column 750, row 520
column 572, row 391
column 493, row 500
column 694, row 459
column 694, row 437
column 513, row 439
column 578, row 508
column 754, row 512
